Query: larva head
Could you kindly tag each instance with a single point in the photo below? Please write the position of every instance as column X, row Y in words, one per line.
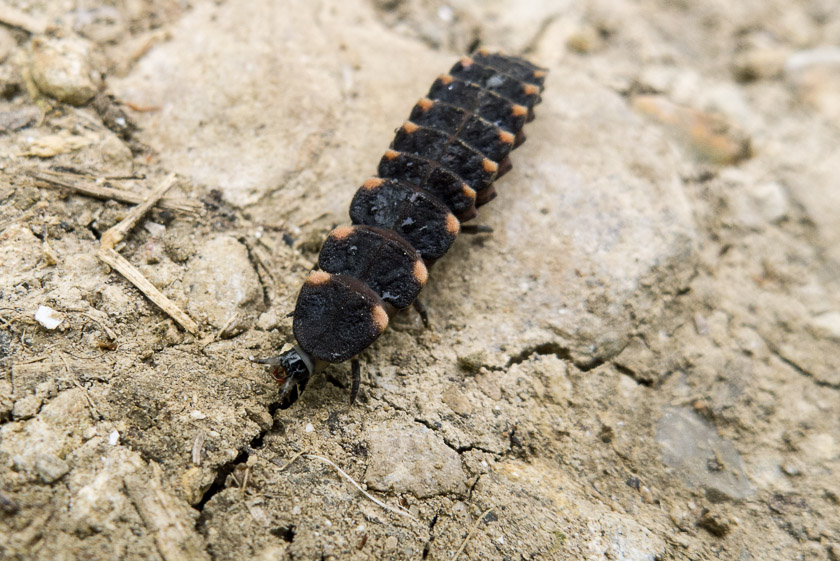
column 292, row 370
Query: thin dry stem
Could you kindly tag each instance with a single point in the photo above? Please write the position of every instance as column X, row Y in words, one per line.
column 119, row 231
column 112, row 193
column 126, row 269
column 115, row 234
column 470, row 534
column 395, row 510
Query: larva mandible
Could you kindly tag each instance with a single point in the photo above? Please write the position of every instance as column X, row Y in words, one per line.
column 439, row 168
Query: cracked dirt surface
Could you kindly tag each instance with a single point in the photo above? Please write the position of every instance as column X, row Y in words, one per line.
column 642, row 362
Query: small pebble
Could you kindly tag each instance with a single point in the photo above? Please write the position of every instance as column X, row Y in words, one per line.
column 48, row 318
column 827, row 325
column 50, row 468
column 759, row 63
column 113, row 438
column 584, row 39
column 309, row 428
column 27, row 407
column 712, row 137
column 61, row 69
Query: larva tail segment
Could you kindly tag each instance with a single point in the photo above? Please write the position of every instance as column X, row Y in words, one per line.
column 516, row 67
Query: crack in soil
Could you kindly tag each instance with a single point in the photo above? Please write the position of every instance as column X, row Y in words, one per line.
column 796, row 367
column 561, row 352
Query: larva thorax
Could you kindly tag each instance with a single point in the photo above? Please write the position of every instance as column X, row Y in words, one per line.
column 438, row 170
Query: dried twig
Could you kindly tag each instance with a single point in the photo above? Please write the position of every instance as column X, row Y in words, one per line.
column 245, row 481
column 126, row 269
column 108, row 254
column 470, row 534
column 33, row 360
column 101, row 323
column 94, row 412
column 396, row 510
column 115, row 234
column 287, row 464
column 73, row 172
column 198, row 447
column 112, row 193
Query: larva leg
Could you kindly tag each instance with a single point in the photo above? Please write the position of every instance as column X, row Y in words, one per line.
column 356, row 369
column 421, row 309
column 476, row 229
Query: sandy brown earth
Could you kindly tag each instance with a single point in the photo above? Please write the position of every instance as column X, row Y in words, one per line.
column 641, row 362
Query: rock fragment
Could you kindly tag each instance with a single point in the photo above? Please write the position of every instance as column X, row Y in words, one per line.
column 701, row 457
column 711, row 136
column 412, row 460
column 50, row 468
column 814, row 75
column 62, row 69
column 223, row 285
column 48, row 318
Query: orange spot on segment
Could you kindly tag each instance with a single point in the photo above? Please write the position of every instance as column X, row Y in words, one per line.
column 318, row 277
column 466, row 61
column 446, row 79
column 420, row 272
column 410, row 127
column 452, row 225
column 540, row 73
column 380, row 318
column 391, row 154
column 506, row 137
column 373, row 183
column 490, row 166
column 425, row 104
column 531, row 89
column 520, row 110
column 341, row 232
column 483, row 51
column 468, row 191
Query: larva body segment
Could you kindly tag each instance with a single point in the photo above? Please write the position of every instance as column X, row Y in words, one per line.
column 379, row 258
column 416, row 215
column 439, row 168
column 432, row 177
column 519, row 92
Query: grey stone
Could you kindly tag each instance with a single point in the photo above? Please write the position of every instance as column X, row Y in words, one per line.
column 61, row 68
column 592, row 215
column 412, row 460
column 26, row 407
column 50, row 468
column 268, row 122
column 700, row 457
column 222, row 284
